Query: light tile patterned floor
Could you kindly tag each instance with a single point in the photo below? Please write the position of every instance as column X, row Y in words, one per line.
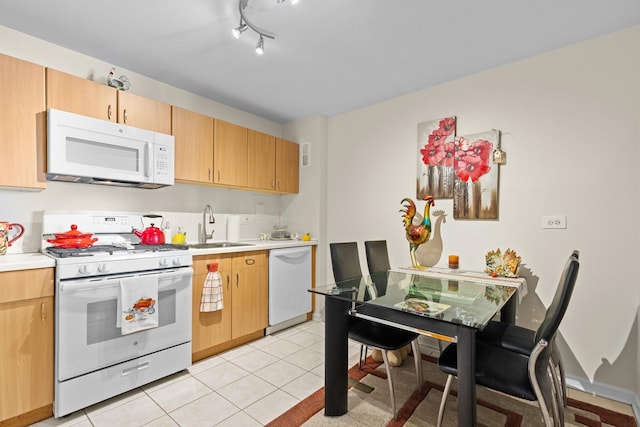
column 247, row 386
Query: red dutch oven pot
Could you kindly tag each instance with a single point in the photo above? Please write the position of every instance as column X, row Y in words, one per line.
column 73, row 239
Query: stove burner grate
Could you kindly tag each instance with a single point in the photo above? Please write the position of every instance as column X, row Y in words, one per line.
column 111, row 249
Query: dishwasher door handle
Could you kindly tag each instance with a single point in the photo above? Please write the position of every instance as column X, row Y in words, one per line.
column 292, row 254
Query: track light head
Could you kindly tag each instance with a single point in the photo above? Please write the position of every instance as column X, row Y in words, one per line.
column 237, row 31
column 260, row 45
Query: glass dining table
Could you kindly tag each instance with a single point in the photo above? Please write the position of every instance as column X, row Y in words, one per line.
column 447, row 305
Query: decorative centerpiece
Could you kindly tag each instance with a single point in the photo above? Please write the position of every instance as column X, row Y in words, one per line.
column 502, row 265
column 416, row 234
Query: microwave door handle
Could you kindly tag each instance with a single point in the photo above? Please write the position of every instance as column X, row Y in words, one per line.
column 147, row 159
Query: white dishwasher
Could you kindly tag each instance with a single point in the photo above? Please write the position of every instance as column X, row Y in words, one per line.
column 289, row 282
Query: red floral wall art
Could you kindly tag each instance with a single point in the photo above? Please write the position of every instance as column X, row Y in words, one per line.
column 458, row 168
column 435, row 158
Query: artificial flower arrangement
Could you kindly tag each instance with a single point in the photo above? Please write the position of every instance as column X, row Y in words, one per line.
column 502, row 265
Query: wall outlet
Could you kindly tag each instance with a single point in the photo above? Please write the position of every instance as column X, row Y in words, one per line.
column 554, row 221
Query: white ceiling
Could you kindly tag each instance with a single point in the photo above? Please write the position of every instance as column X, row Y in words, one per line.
column 329, row 56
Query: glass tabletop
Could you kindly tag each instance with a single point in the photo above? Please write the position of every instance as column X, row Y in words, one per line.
column 469, row 301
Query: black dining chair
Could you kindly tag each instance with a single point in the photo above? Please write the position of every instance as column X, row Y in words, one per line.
column 531, row 376
column 377, row 256
column 345, row 262
column 522, row 340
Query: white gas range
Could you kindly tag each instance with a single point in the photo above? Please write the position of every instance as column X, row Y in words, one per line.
column 95, row 358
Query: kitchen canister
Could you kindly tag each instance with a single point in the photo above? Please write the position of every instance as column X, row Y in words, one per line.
column 6, row 229
column 233, row 228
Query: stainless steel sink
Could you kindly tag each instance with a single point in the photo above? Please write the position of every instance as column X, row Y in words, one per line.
column 215, row 245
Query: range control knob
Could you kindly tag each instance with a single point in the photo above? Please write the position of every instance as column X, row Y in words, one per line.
column 84, row 269
column 103, row 268
column 177, row 261
column 164, row 262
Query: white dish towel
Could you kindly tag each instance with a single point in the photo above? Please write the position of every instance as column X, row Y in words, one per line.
column 137, row 304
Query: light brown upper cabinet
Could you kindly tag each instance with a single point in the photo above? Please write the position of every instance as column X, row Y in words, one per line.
column 287, row 166
column 138, row 111
column 230, row 151
column 262, row 160
column 81, row 96
column 193, row 134
column 273, row 163
column 22, row 125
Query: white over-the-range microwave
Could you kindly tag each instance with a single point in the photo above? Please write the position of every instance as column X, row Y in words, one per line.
column 87, row 150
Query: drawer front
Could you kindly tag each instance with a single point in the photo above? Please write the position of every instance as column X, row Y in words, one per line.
column 200, row 263
column 26, row 284
column 250, row 259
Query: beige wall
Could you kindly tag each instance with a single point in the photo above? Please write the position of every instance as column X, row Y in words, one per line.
column 570, row 119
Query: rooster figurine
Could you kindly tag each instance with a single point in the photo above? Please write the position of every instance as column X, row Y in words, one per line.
column 416, row 234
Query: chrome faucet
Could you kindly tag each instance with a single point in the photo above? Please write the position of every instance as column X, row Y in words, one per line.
column 204, row 236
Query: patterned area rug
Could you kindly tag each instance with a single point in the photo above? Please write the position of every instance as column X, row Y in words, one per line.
column 421, row 409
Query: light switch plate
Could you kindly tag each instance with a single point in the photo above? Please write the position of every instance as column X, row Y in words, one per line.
column 554, row 221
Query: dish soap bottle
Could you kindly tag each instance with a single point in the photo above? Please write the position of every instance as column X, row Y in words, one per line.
column 180, row 237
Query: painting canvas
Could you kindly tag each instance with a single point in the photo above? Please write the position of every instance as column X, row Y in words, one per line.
column 476, row 180
column 436, row 174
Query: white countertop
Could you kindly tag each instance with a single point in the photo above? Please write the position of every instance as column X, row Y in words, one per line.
column 25, row 261
column 256, row 245
column 29, row 261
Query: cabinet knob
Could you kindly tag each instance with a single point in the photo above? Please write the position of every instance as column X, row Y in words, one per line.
column 109, row 112
column 250, row 261
column 125, row 116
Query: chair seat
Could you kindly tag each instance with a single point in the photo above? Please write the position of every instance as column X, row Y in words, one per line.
column 496, row 368
column 508, row 336
column 380, row 336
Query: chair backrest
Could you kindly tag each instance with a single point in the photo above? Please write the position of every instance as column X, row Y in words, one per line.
column 345, row 261
column 377, row 256
column 558, row 307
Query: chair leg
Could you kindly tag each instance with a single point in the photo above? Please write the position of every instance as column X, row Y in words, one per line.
column 391, row 391
column 559, row 391
column 445, row 394
column 557, row 358
column 556, row 402
column 362, row 350
column 417, row 359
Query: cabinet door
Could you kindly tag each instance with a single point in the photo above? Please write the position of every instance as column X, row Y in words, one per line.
column 81, row 96
column 193, row 134
column 145, row 113
column 26, row 344
column 250, row 293
column 26, row 356
column 230, row 154
column 287, row 166
column 22, row 125
column 211, row 328
column 261, row 160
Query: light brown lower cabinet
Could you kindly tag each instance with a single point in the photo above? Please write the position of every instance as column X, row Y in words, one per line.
column 245, row 281
column 26, row 346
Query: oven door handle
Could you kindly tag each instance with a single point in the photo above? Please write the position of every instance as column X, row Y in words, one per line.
column 92, row 284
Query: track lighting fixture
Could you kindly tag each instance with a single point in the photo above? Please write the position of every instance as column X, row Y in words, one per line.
column 244, row 24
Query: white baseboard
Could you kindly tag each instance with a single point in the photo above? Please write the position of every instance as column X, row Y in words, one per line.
column 607, row 391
